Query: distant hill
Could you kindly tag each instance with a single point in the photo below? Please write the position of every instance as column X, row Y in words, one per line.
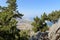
column 24, row 24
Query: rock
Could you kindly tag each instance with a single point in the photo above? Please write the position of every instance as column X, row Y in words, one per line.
column 40, row 36
column 54, row 31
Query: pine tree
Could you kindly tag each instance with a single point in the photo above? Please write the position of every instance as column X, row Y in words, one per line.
column 39, row 24
column 8, row 23
column 44, row 17
column 54, row 16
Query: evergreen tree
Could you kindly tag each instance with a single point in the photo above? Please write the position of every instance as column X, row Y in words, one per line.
column 44, row 17
column 39, row 25
column 8, row 27
column 54, row 16
column 36, row 23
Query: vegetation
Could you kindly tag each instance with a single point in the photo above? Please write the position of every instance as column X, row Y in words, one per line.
column 24, row 35
column 54, row 16
column 8, row 15
column 8, row 23
column 40, row 24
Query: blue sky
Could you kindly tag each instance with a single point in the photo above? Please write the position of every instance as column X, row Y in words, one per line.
column 32, row 8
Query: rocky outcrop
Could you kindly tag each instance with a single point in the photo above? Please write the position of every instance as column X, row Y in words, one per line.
column 40, row 36
column 54, row 31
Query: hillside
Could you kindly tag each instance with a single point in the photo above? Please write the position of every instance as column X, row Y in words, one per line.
column 24, row 24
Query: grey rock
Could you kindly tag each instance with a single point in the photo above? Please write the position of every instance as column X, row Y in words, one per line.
column 40, row 36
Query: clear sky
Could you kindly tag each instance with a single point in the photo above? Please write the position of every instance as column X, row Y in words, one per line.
column 32, row 8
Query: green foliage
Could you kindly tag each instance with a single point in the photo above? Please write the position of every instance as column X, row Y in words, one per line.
column 36, row 23
column 12, row 5
column 8, row 15
column 54, row 16
column 24, row 35
column 39, row 24
column 44, row 17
